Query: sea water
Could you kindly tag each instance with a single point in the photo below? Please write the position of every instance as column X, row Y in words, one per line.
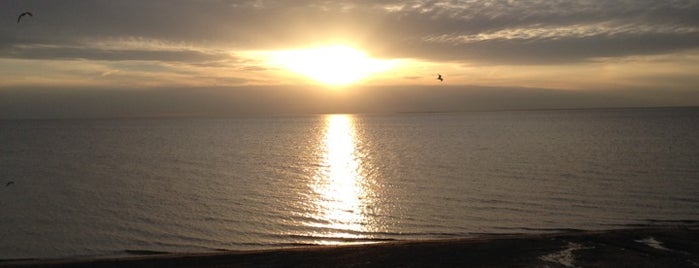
column 106, row 187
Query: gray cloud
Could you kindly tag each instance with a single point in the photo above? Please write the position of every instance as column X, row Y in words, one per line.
column 89, row 53
column 489, row 31
column 564, row 50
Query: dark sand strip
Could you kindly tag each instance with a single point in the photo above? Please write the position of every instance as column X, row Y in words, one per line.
column 676, row 246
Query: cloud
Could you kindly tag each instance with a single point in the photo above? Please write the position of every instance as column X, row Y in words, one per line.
column 488, row 31
column 545, row 32
column 90, row 53
column 116, row 49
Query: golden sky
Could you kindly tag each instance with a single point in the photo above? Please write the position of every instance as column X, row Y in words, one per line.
column 75, row 55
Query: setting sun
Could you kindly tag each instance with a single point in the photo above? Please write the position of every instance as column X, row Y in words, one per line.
column 332, row 65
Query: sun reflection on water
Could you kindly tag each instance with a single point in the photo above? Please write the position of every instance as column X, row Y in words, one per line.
column 339, row 182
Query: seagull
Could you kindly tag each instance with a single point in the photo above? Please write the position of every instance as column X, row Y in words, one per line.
column 9, row 183
column 439, row 77
column 23, row 14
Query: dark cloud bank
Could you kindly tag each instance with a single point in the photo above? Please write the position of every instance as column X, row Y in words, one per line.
column 241, row 101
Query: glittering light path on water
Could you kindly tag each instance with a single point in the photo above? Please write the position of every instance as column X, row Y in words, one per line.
column 338, row 182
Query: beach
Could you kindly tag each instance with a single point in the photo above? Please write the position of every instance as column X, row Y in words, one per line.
column 665, row 246
column 273, row 133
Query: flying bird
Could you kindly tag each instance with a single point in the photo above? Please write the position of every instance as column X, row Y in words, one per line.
column 439, row 77
column 24, row 14
column 9, row 183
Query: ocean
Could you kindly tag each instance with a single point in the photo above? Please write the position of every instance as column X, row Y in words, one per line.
column 114, row 187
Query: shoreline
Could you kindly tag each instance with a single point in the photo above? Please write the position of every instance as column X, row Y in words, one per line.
column 655, row 246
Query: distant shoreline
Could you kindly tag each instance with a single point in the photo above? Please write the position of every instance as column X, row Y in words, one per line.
column 645, row 246
column 552, row 109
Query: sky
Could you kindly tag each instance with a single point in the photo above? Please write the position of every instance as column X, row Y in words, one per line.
column 133, row 58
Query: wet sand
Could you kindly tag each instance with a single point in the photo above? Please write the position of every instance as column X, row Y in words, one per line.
column 668, row 246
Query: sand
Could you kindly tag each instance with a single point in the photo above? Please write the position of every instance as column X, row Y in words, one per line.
column 667, row 246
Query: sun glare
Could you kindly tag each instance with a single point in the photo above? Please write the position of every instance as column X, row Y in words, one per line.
column 332, row 65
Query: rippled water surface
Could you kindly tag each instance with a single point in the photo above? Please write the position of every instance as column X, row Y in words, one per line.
column 103, row 187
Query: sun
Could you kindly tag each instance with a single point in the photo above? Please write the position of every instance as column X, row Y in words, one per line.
column 332, row 65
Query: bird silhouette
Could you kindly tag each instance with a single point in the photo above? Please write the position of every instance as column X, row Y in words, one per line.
column 9, row 183
column 24, row 14
column 439, row 77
